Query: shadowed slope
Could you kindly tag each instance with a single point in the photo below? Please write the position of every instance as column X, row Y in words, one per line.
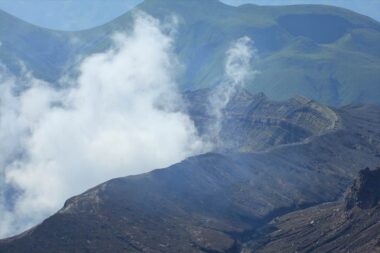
column 332, row 227
column 212, row 202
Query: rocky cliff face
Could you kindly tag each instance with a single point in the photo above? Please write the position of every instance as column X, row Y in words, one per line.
column 365, row 192
column 255, row 123
column 351, row 225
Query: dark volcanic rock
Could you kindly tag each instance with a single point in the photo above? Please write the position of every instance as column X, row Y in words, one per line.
column 365, row 192
column 328, row 227
column 200, row 205
column 215, row 202
column 255, row 123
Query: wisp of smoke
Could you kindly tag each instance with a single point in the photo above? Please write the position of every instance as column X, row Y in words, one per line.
column 237, row 72
column 122, row 116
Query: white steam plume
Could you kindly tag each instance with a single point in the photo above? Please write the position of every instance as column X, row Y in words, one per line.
column 122, row 116
column 237, row 72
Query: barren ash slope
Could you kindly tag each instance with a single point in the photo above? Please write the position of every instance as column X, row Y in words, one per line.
column 216, row 202
column 274, row 158
column 351, row 225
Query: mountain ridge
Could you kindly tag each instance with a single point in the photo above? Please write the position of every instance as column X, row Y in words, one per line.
column 212, row 202
column 280, row 164
column 304, row 64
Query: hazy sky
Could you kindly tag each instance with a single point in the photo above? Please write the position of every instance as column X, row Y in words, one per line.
column 81, row 14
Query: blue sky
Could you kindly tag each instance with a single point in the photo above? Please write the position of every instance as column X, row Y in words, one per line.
column 82, row 14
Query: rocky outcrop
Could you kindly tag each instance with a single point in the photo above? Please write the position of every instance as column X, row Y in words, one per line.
column 344, row 226
column 365, row 192
column 255, row 123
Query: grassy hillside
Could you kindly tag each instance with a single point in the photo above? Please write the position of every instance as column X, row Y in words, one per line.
column 325, row 53
column 42, row 51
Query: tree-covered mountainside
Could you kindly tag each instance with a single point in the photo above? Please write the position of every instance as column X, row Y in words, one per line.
column 321, row 52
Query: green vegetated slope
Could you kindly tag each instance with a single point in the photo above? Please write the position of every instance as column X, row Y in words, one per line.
column 325, row 53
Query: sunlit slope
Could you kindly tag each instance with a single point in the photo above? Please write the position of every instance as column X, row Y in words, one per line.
column 325, row 53
column 48, row 54
column 42, row 51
